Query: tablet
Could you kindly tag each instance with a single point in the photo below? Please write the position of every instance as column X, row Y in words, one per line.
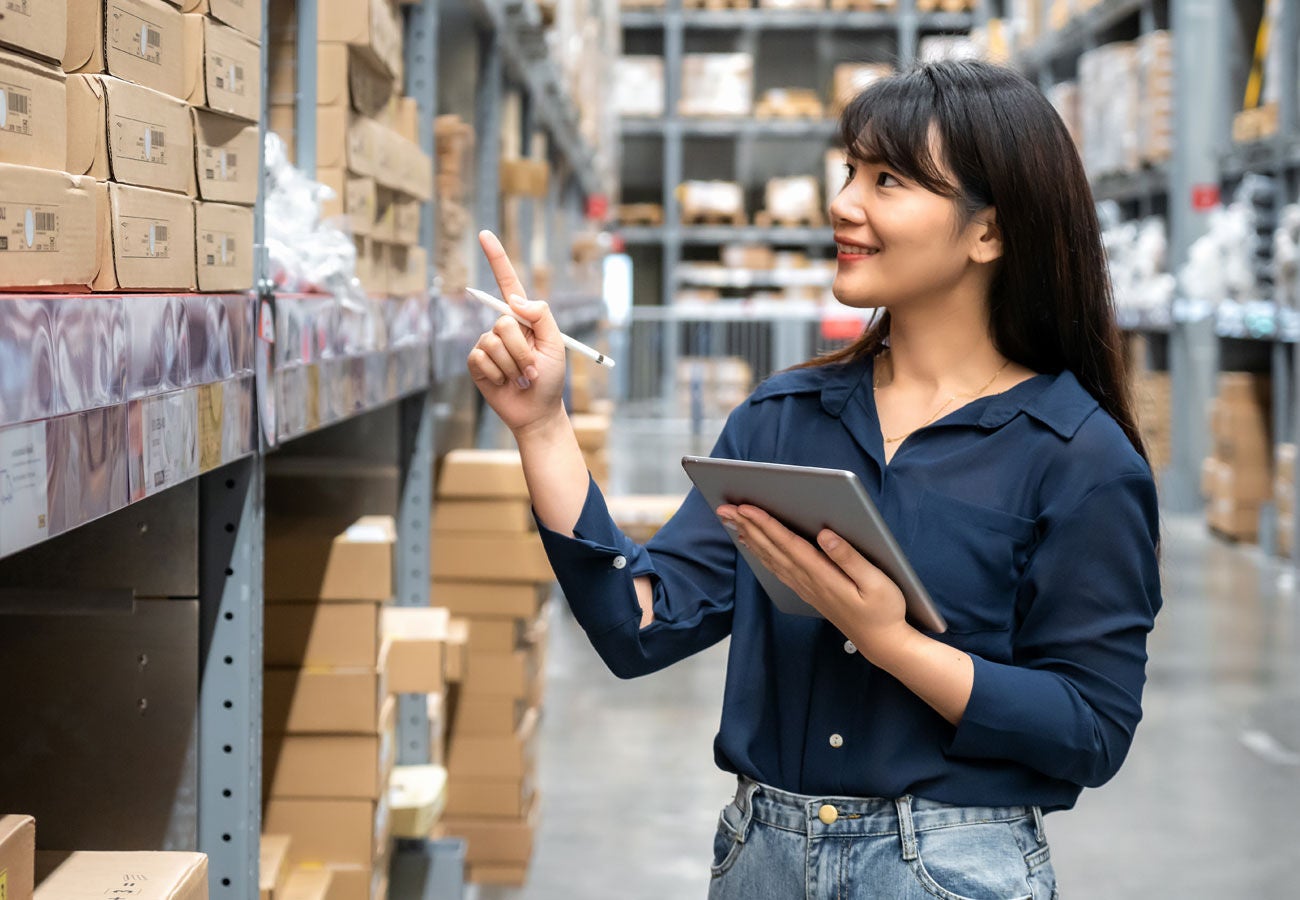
column 806, row 500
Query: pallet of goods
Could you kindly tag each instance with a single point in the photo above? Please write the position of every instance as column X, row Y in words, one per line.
column 791, row 203
column 1237, row 478
column 789, row 103
column 717, row 84
column 712, row 203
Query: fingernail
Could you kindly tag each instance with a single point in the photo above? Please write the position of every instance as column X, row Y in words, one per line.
column 532, row 373
column 523, row 382
column 830, row 543
column 518, row 301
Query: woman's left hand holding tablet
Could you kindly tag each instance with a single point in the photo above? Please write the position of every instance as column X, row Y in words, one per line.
column 842, row 584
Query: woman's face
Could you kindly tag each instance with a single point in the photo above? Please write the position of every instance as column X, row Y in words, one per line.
column 899, row 243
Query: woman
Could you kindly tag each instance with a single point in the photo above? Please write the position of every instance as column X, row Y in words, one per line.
column 986, row 414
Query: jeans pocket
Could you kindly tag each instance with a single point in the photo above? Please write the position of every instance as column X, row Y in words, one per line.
column 981, row 861
column 727, row 840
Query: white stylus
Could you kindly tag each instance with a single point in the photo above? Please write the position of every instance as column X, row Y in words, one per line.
column 577, row 346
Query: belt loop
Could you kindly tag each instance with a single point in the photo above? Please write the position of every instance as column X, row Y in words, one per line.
column 1040, row 831
column 906, row 833
column 745, row 792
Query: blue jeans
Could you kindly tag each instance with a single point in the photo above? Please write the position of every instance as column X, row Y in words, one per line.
column 774, row 845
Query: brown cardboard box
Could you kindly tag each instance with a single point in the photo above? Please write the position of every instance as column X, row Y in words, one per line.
column 371, row 26
column 313, row 559
column 514, row 516
column 489, row 599
column 352, row 882
column 17, row 857
column 33, row 128
column 385, row 212
column 484, row 715
column 345, row 832
column 490, row 557
column 331, row 133
column 335, row 766
column 483, row 473
column 406, row 118
column 355, row 199
column 592, row 430
column 455, row 660
column 226, row 153
column 372, row 266
column 221, row 69
column 223, row 234
column 415, row 638
column 273, row 866
column 153, row 876
column 40, row 29
column 313, row 701
column 497, row 634
column 417, row 795
column 408, row 271
column 150, row 240
column 1252, row 484
column 498, row 798
column 512, row 674
column 136, row 40
column 338, row 635
column 502, row 874
column 406, row 220
column 415, row 168
column 495, row 840
column 370, row 87
column 851, row 79
column 129, row 133
column 309, row 883
column 245, row 16
column 61, row 247
column 366, row 140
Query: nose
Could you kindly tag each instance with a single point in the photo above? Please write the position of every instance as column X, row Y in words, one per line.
column 847, row 207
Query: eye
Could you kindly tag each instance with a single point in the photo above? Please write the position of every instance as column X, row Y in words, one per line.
column 849, row 172
column 885, row 179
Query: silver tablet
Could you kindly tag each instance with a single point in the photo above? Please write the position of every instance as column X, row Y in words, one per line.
column 807, row 500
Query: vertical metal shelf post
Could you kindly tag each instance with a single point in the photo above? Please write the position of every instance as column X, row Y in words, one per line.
column 909, row 27
column 422, row 85
column 304, row 119
column 488, row 92
column 231, row 548
column 673, row 169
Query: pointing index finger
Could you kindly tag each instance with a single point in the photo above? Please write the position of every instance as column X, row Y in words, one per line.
column 502, row 270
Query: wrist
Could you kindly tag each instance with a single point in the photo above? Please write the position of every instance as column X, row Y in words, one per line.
column 892, row 649
column 546, row 431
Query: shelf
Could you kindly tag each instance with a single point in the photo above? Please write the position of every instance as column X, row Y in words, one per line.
column 1269, row 155
column 1152, row 321
column 741, row 279
column 336, row 359
column 726, row 234
column 749, row 310
column 107, row 400
column 1076, row 36
column 731, row 128
column 1127, row 186
column 794, row 20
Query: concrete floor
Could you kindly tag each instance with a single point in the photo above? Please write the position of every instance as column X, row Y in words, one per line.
column 1207, row 805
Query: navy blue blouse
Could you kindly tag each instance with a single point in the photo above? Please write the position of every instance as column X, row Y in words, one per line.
column 1029, row 517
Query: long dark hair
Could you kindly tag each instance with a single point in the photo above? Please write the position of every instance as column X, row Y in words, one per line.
column 1050, row 304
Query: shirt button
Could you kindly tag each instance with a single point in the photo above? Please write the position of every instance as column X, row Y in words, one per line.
column 828, row 814
column 849, row 648
column 836, row 741
column 620, row 562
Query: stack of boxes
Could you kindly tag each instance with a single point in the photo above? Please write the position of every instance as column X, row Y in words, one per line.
column 158, row 106
column 454, row 139
column 366, row 140
column 489, row 567
column 329, row 742
column 592, row 429
column 1237, row 478
column 1156, row 62
column 1152, row 393
column 1284, row 497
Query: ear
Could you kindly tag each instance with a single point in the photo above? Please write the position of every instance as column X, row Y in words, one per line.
column 985, row 237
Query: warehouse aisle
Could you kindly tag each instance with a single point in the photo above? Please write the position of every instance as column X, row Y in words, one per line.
column 1204, row 808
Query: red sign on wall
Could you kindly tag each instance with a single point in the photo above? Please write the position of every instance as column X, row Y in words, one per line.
column 1205, row 196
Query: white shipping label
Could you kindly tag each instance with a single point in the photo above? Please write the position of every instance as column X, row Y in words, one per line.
column 15, row 109
column 26, row 228
column 142, row 238
column 139, row 140
column 228, row 76
column 24, row 508
column 171, row 452
column 131, row 34
column 218, row 249
column 219, row 164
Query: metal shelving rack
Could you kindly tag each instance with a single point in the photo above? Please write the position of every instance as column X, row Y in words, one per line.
column 136, row 433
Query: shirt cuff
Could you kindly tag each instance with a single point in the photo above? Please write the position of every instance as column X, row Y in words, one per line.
column 991, row 710
column 596, row 566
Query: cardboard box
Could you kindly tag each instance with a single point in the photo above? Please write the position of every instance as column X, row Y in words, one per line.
column 39, row 29
column 502, row 874
column 136, row 40
column 223, row 235
column 355, row 199
column 49, row 228
column 406, row 220
column 382, row 229
column 150, row 240
column 484, row 715
column 498, row 635
column 406, row 118
column 273, row 866
column 495, row 840
column 312, row 559
column 851, row 79
column 408, row 274
column 315, row 701
column 512, row 674
column 455, row 659
column 490, row 797
column 337, row 635
column 331, row 133
column 152, row 876
column 592, row 430
column 17, row 857
column 222, row 69
column 494, row 516
column 417, row 796
column 309, row 883
column 373, row 27
column 491, row 474
column 369, row 87
column 245, row 16
column 415, row 638
column 226, row 153
column 490, row 557
column 345, row 832
column 33, row 112
column 352, row 882
column 128, row 133
column 717, row 84
column 367, row 142
column 335, row 766
column 490, row 598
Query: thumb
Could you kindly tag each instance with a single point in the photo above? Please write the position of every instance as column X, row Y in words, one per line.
column 539, row 317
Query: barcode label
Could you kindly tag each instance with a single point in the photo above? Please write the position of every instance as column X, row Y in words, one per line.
column 239, row 74
column 46, row 221
column 17, row 103
column 153, row 37
column 230, row 245
column 212, row 260
column 160, row 233
column 231, row 160
column 157, row 138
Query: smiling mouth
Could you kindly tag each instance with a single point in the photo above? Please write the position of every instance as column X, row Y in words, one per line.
column 855, row 250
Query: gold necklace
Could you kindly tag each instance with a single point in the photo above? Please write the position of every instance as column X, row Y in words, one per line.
column 875, row 387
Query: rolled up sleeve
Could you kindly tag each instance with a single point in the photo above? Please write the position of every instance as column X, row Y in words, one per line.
column 1069, row 702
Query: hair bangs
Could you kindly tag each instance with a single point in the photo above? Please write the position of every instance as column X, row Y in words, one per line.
column 894, row 123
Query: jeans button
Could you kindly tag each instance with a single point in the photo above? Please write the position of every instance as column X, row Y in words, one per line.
column 828, row 814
